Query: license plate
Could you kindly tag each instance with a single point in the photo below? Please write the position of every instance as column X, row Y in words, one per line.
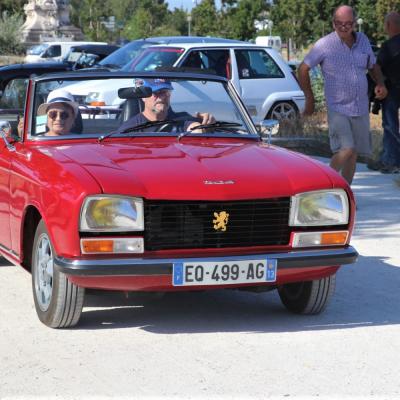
column 224, row 273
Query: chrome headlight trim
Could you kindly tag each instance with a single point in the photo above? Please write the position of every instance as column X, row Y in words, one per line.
column 124, row 213
column 319, row 208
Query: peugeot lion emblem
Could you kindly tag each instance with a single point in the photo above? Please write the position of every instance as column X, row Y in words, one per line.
column 221, row 221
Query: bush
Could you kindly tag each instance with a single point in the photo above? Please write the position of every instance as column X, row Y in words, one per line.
column 10, row 33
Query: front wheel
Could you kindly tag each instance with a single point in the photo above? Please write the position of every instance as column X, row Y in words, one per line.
column 309, row 297
column 58, row 302
column 283, row 111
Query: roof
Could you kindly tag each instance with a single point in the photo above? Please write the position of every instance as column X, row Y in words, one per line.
column 213, row 45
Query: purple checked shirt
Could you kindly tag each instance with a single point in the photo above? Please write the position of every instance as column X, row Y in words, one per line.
column 344, row 71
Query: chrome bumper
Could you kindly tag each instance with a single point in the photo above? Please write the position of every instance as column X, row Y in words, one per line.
column 156, row 266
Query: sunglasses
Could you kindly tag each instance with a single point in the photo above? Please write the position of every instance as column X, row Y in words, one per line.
column 62, row 114
column 347, row 24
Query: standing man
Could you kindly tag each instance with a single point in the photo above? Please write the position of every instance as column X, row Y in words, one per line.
column 389, row 61
column 344, row 56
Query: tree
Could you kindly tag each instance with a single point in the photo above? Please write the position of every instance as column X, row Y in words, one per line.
column 148, row 19
column 10, row 28
column 238, row 18
column 382, row 8
column 294, row 20
column 205, row 19
column 178, row 19
column 12, row 6
column 366, row 10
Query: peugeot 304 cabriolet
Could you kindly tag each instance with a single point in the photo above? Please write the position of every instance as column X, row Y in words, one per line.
column 177, row 190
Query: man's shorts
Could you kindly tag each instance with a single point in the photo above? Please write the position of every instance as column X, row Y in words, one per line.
column 349, row 133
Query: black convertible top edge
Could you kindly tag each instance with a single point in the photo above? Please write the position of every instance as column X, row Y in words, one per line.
column 173, row 73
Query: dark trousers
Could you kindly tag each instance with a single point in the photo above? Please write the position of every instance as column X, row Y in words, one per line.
column 391, row 137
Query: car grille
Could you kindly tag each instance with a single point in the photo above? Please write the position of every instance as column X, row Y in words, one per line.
column 189, row 224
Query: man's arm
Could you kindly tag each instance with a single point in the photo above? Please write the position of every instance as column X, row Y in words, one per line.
column 380, row 89
column 305, row 84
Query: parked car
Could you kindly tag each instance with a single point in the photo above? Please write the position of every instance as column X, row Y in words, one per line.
column 158, row 208
column 14, row 77
column 262, row 78
column 88, row 55
column 131, row 50
column 52, row 51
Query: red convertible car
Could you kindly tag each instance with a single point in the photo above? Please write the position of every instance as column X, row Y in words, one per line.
column 176, row 190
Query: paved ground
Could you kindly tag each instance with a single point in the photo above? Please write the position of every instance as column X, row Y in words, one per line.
column 224, row 344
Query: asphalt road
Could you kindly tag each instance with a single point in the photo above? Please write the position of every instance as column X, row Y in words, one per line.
column 222, row 344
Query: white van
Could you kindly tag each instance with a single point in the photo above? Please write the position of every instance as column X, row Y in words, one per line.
column 271, row 41
column 51, row 51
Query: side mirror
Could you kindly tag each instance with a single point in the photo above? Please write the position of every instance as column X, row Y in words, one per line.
column 5, row 129
column 6, row 135
column 269, row 127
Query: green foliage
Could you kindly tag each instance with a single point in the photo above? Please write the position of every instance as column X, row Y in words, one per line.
column 382, row 8
column 317, row 84
column 294, row 19
column 10, row 33
column 205, row 19
column 238, row 19
column 12, row 6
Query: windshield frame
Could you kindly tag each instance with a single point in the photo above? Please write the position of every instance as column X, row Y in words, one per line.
column 251, row 131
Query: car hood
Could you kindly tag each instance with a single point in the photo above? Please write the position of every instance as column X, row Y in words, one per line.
column 199, row 168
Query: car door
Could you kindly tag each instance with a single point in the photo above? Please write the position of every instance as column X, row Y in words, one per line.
column 256, row 76
column 11, row 106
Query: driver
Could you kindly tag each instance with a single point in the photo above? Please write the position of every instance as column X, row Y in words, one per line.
column 157, row 108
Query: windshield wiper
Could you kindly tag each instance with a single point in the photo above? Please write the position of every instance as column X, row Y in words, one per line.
column 218, row 126
column 148, row 124
column 138, row 128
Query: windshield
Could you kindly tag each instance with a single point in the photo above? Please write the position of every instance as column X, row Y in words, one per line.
column 153, row 58
column 126, row 53
column 37, row 50
column 180, row 104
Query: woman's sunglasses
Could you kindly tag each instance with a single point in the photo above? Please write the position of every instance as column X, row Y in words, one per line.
column 62, row 114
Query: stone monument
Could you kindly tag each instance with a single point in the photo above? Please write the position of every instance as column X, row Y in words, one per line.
column 48, row 20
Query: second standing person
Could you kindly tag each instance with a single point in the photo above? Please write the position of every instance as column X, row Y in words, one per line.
column 344, row 56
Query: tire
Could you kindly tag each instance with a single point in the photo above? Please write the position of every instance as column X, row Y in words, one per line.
column 283, row 110
column 309, row 297
column 58, row 302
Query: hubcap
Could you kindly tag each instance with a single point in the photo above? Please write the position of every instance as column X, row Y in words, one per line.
column 283, row 111
column 44, row 273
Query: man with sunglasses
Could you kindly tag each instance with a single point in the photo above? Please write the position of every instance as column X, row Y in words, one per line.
column 157, row 107
column 61, row 111
column 344, row 56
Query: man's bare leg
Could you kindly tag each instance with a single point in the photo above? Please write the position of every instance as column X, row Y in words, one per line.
column 344, row 161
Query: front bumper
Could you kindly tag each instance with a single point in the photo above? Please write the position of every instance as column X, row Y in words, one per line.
column 148, row 267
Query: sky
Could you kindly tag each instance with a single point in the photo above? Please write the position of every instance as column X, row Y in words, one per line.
column 186, row 4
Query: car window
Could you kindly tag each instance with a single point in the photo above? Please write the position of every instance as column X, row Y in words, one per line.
column 154, row 58
column 37, row 49
column 217, row 60
column 256, row 64
column 14, row 94
column 126, row 54
column 53, row 51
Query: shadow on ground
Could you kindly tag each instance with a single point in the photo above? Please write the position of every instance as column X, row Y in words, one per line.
column 366, row 295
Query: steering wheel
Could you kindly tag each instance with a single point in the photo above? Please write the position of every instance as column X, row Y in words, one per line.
column 167, row 127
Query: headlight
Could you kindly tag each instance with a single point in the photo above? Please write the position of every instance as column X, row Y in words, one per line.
column 112, row 214
column 324, row 207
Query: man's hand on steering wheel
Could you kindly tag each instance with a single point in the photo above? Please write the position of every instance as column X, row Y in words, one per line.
column 206, row 119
